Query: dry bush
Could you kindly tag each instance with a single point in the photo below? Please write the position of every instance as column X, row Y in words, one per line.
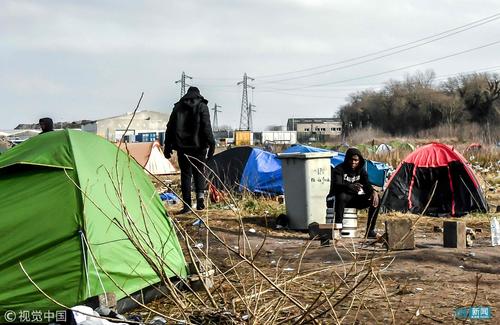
column 467, row 132
column 365, row 135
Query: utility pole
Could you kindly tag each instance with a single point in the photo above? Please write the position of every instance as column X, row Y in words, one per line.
column 215, row 124
column 183, row 82
column 246, row 114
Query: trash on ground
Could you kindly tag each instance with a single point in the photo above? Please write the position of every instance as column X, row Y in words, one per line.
column 199, row 223
column 495, row 232
column 438, row 229
column 171, row 198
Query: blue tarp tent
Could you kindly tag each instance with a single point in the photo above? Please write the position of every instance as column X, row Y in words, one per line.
column 259, row 171
column 248, row 168
column 262, row 174
column 377, row 171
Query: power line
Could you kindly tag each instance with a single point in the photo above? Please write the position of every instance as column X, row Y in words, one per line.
column 306, row 95
column 479, row 22
column 197, row 78
column 492, row 69
column 378, row 85
column 375, row 58
column 393, row 70
column 467, row 73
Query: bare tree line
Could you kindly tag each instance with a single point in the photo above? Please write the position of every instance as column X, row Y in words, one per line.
column 420, row 103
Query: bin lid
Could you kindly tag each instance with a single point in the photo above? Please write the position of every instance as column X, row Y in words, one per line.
column 305, row 155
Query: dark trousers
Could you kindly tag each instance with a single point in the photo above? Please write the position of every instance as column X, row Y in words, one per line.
column 192, row 165
column 347, row 200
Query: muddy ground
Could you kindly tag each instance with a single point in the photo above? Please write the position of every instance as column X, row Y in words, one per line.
column 424, row 285
column 420, row 286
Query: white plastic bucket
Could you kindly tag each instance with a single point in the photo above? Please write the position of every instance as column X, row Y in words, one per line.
column 350, row 223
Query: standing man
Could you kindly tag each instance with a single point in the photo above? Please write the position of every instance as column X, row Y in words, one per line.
column 189, row 133
column 351, row 189
column 46, row 124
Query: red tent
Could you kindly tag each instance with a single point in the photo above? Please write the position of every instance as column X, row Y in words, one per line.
column 439, row 176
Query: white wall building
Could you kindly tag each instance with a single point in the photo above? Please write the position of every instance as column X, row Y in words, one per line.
column 327, row 126
column 146, row 126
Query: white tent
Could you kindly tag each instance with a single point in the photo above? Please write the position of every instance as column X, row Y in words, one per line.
column 157, row 163
column 149, row 156
column 383, row 149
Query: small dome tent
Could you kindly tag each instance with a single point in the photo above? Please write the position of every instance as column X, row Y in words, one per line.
column 247, row 168
column 74, row 211
column 383, row 149
column 437, row 175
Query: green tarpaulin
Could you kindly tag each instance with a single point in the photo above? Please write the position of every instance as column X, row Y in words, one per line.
column 69, row 203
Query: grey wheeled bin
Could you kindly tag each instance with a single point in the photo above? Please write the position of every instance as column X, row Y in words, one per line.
column 306, row 179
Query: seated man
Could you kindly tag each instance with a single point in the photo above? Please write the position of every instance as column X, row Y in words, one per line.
column 351, row 189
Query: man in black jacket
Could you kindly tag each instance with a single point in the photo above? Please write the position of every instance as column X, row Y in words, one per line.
column 351, row 189
column 189, row 133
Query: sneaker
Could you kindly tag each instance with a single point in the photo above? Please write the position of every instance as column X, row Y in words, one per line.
column 336, row 235
column 200, row 204
column 371, row 235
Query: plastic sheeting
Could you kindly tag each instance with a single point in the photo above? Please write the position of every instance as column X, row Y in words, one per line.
column 262, row 173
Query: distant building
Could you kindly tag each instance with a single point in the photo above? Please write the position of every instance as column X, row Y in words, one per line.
column 18, row 136
column 57, row 125
column 275, row 137
column 223, row 134
column 315, row 129
column 147, row 126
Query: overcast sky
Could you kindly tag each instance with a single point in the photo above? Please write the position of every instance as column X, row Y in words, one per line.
column 74, row 60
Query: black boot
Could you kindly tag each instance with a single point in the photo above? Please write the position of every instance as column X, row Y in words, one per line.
column 185, row 209
column 371, row 222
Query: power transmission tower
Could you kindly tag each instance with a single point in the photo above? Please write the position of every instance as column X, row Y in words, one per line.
column 250, row 119
column 183, row 82
column 215, row 124
column 246, row 114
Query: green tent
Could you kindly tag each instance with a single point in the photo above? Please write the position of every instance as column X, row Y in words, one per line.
column 73, row 209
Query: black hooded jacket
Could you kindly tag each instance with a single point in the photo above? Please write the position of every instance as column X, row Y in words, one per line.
column 343, row 177
column 189, row 128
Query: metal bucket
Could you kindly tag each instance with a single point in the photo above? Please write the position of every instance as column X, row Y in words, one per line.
column 350, row 223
